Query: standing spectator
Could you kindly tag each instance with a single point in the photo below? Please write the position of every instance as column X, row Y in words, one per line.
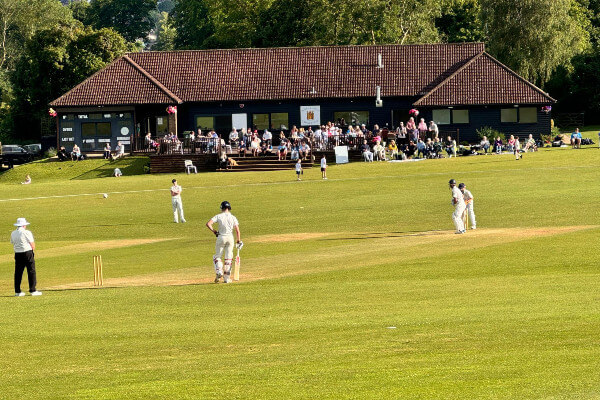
column 106, row 151
column 298, row 169
column 412, row 130
column 422, row 128
column 24, row 246
column 324, row 167
column 401, row 131
column 366, row 152
column 517, row 147
column 176, row 201
column 433, row 130
column 485, row 144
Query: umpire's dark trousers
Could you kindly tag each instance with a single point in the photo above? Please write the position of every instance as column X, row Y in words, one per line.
column 22, row 261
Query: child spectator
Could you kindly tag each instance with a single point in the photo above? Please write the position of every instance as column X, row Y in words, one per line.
column 299, row 168
column 324, row 167
column 27, row 180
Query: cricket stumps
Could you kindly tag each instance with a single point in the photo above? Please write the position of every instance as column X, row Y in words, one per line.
column 98, row 274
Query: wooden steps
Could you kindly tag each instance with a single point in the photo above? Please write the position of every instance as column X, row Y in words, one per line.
column 174, row 163
column 269, row 163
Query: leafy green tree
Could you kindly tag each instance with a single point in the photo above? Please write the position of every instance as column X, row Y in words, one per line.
column 194, row 24
column 80, row 10
column 533, row 37
column 288, row 23
column 131, row 18
column 54, row 61
column 165, row 33
column 460, row 22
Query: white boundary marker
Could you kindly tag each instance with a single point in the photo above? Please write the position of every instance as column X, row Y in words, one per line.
column 294, row 182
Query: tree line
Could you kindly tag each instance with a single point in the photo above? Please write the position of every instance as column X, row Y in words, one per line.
column 48, row 46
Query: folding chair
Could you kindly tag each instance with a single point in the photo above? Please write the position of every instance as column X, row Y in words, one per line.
column 190, row 166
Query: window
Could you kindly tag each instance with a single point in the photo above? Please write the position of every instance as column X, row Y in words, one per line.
column 527, row 115
column 95, row 116
column 162, row 125
column 279, row 121
column 205, row 123
column 92, row 129
column 260, row 121
column 441, row 117
column 460, row 116
column 352, row 117
column 508, row 115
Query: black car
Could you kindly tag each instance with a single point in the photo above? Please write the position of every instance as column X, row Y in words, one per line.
column 13, row 155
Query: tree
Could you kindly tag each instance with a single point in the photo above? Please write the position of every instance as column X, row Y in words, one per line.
column 80, row 10
column 194, row 24
column 54, row 60
column 534, row 37
column 131, row 18
column 288, row 23
column 165, row 33
column 460, row 22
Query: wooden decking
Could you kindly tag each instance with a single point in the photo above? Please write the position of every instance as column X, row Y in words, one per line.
column 268, row 163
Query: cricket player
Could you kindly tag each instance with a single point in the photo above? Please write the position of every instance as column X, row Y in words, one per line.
column 224, row 247
column 458, row 201
column 469, row 204
column 176, row 201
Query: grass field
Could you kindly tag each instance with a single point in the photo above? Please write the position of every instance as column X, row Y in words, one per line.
column 351, row 288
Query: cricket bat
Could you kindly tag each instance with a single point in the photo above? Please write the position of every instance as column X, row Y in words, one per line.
column 236, row 267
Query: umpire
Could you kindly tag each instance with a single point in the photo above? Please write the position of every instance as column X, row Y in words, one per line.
column 22, row 241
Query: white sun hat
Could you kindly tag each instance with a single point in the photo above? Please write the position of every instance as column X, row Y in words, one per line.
column 21, row 222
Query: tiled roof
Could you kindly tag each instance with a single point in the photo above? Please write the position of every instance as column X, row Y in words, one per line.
column 484, row 80
column 279, row 74
column 120, row 83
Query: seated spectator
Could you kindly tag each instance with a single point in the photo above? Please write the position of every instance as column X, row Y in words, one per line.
column 485, row 144
column 267, row 137
column 76, row 153
column 255, row 146
column 401, row 131
column 393, row 150
column 106, row 151
column 119, row 151
column 62, row 154
column 295, row 151
column 304, row 151
column 498, row 145
column 366, row 152
column 379, row 151
column 420, row 149
column 117, row 173
column 233, row 137
column 27, row 180
column 576, row 139
column 242, row 148
column 283, row 149
column 223, row 159
column 438, row 147
column 530, row 144
column 410, row 149
column 429, row 152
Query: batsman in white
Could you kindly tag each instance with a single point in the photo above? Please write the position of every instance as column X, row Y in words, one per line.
column 224, row 247
column 458, row 201
column 469, row 204
column 176, row 202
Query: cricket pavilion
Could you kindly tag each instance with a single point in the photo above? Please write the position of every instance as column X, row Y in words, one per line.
column 459, row 86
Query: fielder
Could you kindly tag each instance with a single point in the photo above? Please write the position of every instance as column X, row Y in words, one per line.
column 224, row 246
column 458, row 201
column 176, row 202
column 469, row 204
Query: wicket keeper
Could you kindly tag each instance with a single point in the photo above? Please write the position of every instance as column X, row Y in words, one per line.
column 227, row 223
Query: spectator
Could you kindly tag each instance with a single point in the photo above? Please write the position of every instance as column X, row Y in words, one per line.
column 106, row 151
column 223, row 159
column 295, row 151
column 233, row 137
column 498, row 145
column 517, row 149
column 422, row 128
column 429, row 152
column 267, row 137
column 412, row 130
column 76, row 153
column 255, row 146
column 366, row 152
column 62, row 154
column 420, row 149
column 299, row 169
column 242, row 148
column 393, row 150
column 438, row 147
column 510, row 146
column 304, row 151
column 379, row 151
column 433, row 130
column 117, row 173
column 576, row 139
column 401, row 131
column 283, row 149
column 410, row 149
column 27, row 180
column 485, row 144
column 119, row 151
column 530, row 144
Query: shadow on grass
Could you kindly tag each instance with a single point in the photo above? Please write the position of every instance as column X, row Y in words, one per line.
column 383, row 235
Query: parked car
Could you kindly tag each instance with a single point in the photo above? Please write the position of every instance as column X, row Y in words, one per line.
column 13, row 154
column 35, row 149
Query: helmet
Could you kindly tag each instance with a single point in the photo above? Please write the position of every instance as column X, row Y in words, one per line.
column 225, row 205
column 452, row 182
column 461, row 185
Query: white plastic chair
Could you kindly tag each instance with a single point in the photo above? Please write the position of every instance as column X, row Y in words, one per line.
column 189, row 165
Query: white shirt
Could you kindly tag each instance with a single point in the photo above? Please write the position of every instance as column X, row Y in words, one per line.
column 298, row 167
column 467, row 195
column 227, row 221
column 457, row 194
column 323, row 163
column 21, row 240
column 177, row 189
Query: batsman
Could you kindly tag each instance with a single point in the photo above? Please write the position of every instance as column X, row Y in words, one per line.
column 227, row 223
column 458, row 201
